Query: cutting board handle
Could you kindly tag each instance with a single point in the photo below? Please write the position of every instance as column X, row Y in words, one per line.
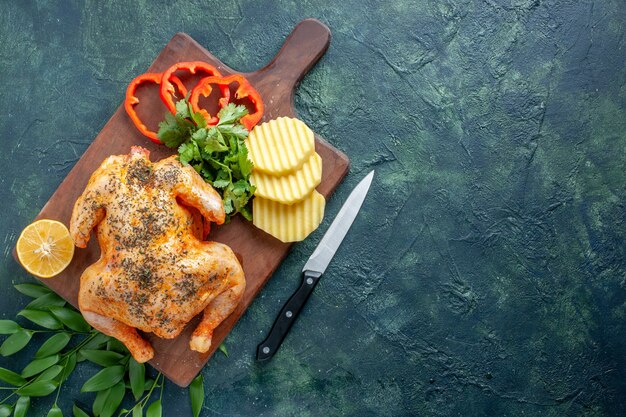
column 304, row 46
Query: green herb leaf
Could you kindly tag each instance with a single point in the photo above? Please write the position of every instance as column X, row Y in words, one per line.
column 137, row 376
column 231, row 114
column 182, row 109
column 221, row 183
column 16, row 342
column 41, row 318
column 11, row 377
column 5, row 410
column 32, row 290
column 53, row 345
column 155, row 409
column 116, row 395
column 100, row 401
column 46, row 301
column 138, row 410
column 55, row 411
column 223, row 349
column 116, row 345
column 196, row 394
column 21, row 407
column 9, row 327
column 39, row 365
column 69, row 364
column 97, row 342
column 38, row 389
column 71, row 319
column 101, row 357
column 77, row 412
column 50, row 373
column 104, row 379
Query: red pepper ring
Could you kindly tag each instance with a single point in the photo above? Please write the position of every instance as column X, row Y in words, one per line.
column 244, row 90
column 204, row 89
column 179, row 84
column 132, row 100
column 167, row 89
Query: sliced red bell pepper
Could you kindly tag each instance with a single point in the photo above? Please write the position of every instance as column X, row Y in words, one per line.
column 132, row 100
column 179, row 84
column 203, row 88
column 167, row 89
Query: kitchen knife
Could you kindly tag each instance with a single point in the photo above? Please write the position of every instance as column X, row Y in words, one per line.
column 314, row 268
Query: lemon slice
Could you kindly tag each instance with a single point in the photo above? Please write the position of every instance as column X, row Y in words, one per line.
column 45, row 248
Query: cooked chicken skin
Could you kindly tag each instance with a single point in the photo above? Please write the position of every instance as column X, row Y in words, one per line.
column 154, row 273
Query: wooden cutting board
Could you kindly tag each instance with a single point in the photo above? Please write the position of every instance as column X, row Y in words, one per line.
column 259, row 253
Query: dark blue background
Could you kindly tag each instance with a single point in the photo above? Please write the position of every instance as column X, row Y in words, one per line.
column 486, row 273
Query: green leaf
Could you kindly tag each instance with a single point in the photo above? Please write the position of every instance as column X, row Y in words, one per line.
column 188, row 151
column 69, row 365
column 137, row 376
column 231, row 113
column 223, row 349
column 11, row 377
column 196, row 394
column 50, row 373
column 45, row 302
column 9, row 327
column 199, row 135
column 71, row 319
column 41, row 318
column 182, row 109
column 5, row 410
column 199, row 120
column 16, row 342
column 155, row 409
column 55, row 411
column 137, row 410
column 117, row 346
column 39, row 365
column 220, row 183
column 101, row 357
column 104, row 379
column 116, row 395
column 38, row 389
column 214, row 144
column 53, row 345
column 77, row 412
column 32, row 290
column 100, row 401
column 21, row 407
column 99, row 340
column 148, row 384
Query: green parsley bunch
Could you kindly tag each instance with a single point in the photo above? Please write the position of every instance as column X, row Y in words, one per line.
column 218, row 153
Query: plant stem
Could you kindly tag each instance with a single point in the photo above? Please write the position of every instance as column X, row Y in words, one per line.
column 146, row 397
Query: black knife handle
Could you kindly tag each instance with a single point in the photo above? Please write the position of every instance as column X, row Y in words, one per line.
column 287, row 317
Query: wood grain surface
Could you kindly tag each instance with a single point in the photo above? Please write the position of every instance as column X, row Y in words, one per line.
column 259, row 253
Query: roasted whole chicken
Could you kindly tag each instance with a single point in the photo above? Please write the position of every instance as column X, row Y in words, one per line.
column 154, row 273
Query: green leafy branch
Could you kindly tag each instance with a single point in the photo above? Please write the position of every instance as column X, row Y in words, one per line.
column 218, row 153
column 73, row 341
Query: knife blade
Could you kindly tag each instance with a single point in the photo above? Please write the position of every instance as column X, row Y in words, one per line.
column 314, row 268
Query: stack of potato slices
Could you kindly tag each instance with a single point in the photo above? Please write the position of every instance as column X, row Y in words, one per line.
column 286, row 172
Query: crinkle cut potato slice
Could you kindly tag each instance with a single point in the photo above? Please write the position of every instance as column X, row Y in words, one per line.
column 289, row 223
column 280, row 146
column 291, row 188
